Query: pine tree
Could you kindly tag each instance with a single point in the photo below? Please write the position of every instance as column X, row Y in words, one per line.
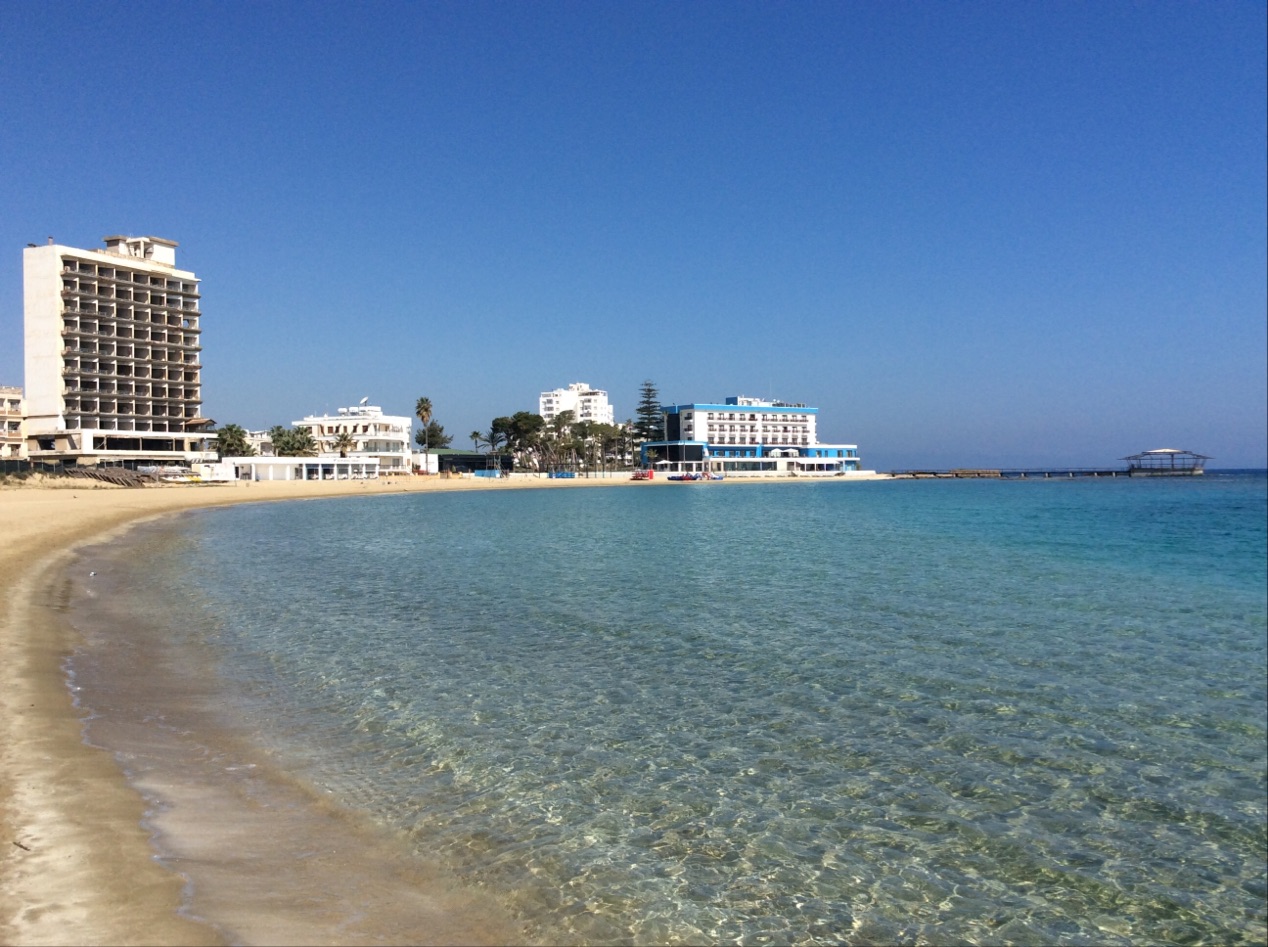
column 649, row 426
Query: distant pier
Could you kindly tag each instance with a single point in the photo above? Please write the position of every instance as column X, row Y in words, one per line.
column 1165, row 462
column 1054, row 473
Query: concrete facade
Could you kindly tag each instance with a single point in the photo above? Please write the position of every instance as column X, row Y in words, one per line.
column 588, row 404
column 12, row 437
column 375, row 434
column 113, row 354
column 299, row 468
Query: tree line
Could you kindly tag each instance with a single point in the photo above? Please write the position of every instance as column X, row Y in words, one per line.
column 565, row 443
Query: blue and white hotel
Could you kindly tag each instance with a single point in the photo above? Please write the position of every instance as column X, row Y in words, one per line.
column 746, row 437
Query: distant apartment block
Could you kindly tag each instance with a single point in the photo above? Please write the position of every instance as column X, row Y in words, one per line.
column 372, row 433
column 112, row 366
column 586, row 403
column 12, row 444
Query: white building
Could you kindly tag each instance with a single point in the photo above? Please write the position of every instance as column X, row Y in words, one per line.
column 12, row 442
column 261, row 442
column 373, row 433
column 586, row 403
column 112, row 354
column 290, row 468
column 746, row 437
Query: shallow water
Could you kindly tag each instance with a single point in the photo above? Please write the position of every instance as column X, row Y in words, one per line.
column 968, row 711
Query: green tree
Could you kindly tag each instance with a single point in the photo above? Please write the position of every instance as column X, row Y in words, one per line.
column 495, row 437
column 627, row 443
column 292, row 442
column 305, row 444
column 501, row 430
column 584, row 441
column 433, row 435
column 557, row 441
column 280, row 438
column 344, row 443
column 650, row 426
column 524, row 432
column 231, row 441
column 611, row 445
column 476, row 439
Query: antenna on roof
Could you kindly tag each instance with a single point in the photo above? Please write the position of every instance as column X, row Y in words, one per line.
column 365, row 399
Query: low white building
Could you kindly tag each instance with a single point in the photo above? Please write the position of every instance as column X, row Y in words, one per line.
column 290, row 468
column 374, row 434
column 586, row 403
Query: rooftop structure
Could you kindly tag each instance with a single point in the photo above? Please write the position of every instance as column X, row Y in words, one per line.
column 112, row 357
column 373, row 433
column 586, row 403
column 746, row 437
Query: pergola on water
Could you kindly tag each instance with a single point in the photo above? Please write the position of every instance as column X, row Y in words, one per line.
column 1165, row 462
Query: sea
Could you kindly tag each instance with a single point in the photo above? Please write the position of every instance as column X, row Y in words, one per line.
column 973, row 711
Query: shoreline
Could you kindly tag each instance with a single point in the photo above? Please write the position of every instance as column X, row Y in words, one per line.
column 79, row 863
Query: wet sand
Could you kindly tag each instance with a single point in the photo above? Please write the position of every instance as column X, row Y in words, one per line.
column 80, row 823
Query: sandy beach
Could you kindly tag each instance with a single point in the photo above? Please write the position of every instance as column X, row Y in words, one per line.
column 79, row 864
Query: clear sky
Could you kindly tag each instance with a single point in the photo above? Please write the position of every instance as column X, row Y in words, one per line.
column 971, row 233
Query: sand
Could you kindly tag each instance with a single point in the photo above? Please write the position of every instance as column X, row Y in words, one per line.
column 78, row 864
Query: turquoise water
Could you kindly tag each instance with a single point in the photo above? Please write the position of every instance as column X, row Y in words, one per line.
column 980, row 712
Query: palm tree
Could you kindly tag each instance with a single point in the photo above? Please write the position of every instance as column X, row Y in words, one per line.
column 296, row 442
column 303, row 444
column 476, row 439
column 494, row 437
column 231, row 441
column 422, row 411
column 345, row 442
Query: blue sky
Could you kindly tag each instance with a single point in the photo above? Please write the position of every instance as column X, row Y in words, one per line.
column 971, row 233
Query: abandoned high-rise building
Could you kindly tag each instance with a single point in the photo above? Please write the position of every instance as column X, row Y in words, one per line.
column 112, row 354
